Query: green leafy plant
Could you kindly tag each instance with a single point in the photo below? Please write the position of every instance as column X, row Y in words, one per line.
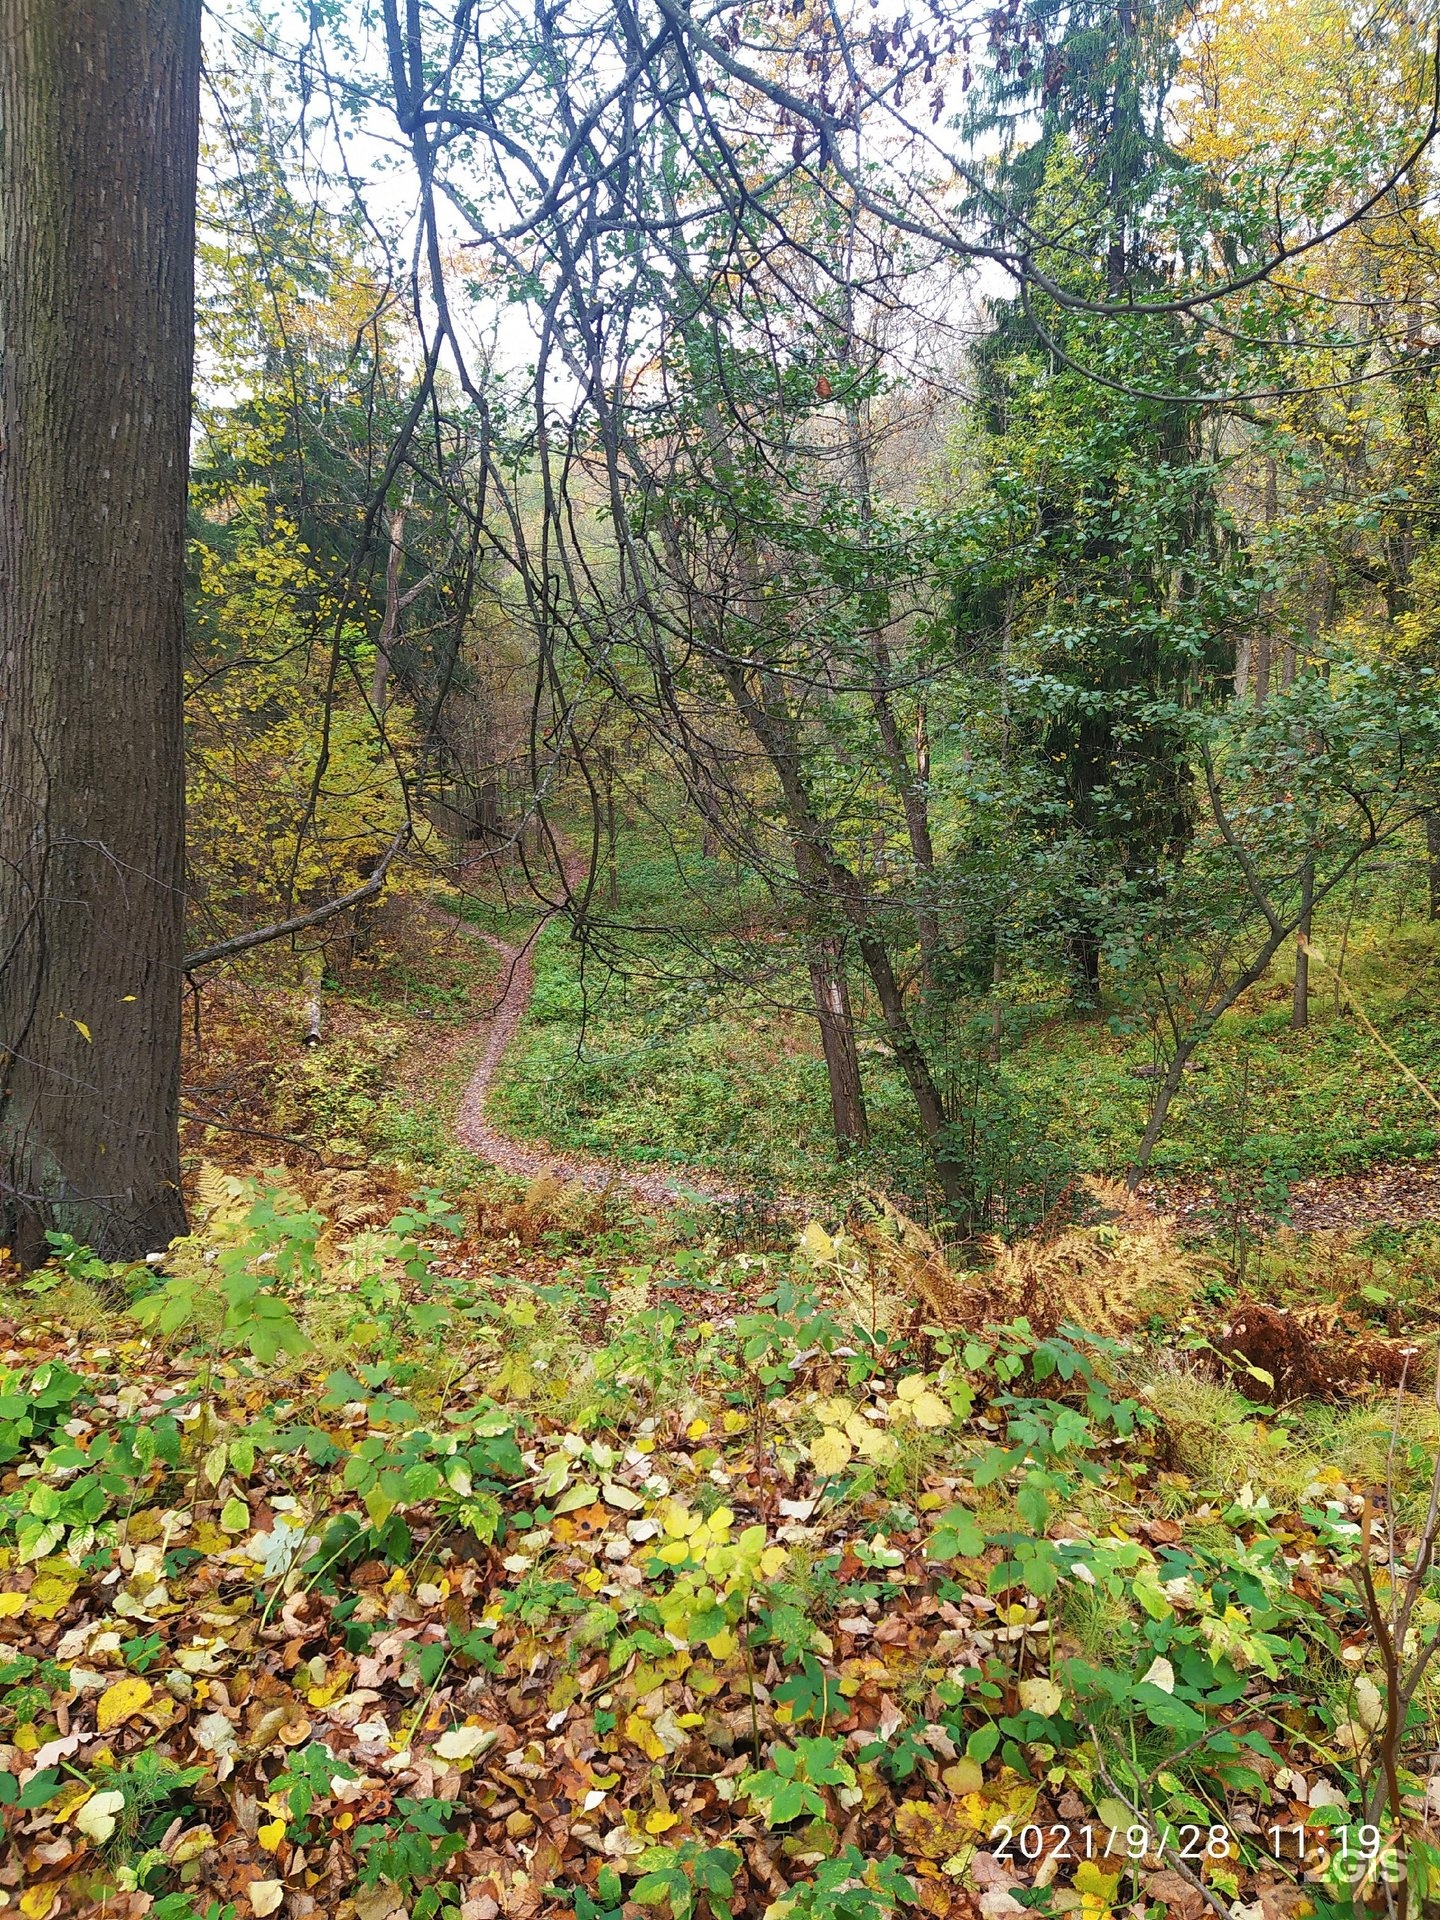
column 409, row 1853
column 794, row 1783
column 681, row 1875
column 850, row 1887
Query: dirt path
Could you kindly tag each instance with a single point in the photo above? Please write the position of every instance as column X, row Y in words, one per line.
column 530, row 1158
column 1396, row 1193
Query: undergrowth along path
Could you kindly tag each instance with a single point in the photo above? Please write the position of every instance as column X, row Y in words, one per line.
column 1401, row 1193
column 529, row 1159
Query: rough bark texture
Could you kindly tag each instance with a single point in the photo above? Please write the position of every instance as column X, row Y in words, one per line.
column 831, row 992
column 98, row 137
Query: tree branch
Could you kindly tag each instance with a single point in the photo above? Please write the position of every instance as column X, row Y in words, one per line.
column 242, row 942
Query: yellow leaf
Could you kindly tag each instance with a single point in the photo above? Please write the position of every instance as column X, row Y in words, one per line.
column 928, row 1410
column 639, row 1730
column 831, row 1452
column 1090, row 1879
column 81, row 1028
column 11, row 1604
column 1040, row 1696
column 117, row 1703
column 661, row 1822
column 50, row 1595
column 733, row 1421
column 964, row 1776
column 816, row 1242
column 190, row 1847
column 697, row 1429
column 271, row 1834
column 265, row 1895
column 37, row 1901
column 96, row 1819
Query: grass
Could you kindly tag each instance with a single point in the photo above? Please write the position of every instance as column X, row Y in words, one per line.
column 695, row 1046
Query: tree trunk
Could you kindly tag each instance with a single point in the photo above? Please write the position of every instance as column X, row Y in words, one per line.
column 837, row 1037
column 1300, row 1006
column 99, row 104
column 390, row 626
column 1432, row 861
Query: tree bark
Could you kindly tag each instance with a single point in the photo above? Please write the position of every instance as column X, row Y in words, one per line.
column 390, row 626
column 99, row 106
column 1300, row 1005
column 1432, row 862
column 831, row 991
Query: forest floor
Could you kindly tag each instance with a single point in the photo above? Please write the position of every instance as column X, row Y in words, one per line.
column 457, row 1529
column 530, row 1159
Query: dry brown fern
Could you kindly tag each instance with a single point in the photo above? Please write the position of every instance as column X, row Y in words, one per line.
column 1104, row 1274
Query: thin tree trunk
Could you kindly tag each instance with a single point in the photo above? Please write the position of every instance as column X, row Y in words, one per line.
column 312, row 981
column 1300, row 1006
column 391, row 623
column 837, row 1038
column 1432, row 861
column 99, row 104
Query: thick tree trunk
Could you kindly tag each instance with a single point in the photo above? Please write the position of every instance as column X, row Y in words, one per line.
column 831, row 991
column 98, row 135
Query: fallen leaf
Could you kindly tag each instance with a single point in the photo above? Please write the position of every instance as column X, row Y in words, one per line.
column 96, row 1819
column 1040, row 1696
column 1159, row 1674
column 266, row 1895
column 464, row 1743
column 117, row 1703
column 831, row 1452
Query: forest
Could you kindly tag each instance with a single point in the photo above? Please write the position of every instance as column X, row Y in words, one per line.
column 719, row 959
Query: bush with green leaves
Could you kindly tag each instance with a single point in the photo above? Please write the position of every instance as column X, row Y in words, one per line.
column 271, row 1246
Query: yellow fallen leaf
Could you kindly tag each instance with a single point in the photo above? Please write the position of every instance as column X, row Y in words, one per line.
column 191, row 1845
column 12, row 1604
column 50, row 1595
column 265, row 1895
column 271, row 1834
column 81, row 1028
column 733, row 1421
column 327, row 1695
column 697, row 1429
column 465, row 1743
column 661, row 1822
column 117, row 1703
column 1040, row 1696
column 964, row 1776
column 831, row 1452
column 37, row 1901
column 929, row 1410
column 96, row 1819
column 639, row 1730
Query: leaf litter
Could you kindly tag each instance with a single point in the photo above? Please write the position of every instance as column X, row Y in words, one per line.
column 603, row 1587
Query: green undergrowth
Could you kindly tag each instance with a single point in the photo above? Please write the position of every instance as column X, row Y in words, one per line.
column 328, row 1550
column 695, row 1046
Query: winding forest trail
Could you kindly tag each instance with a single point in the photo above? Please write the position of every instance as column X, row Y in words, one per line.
column 530, row 1158
column 1396, row 1193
